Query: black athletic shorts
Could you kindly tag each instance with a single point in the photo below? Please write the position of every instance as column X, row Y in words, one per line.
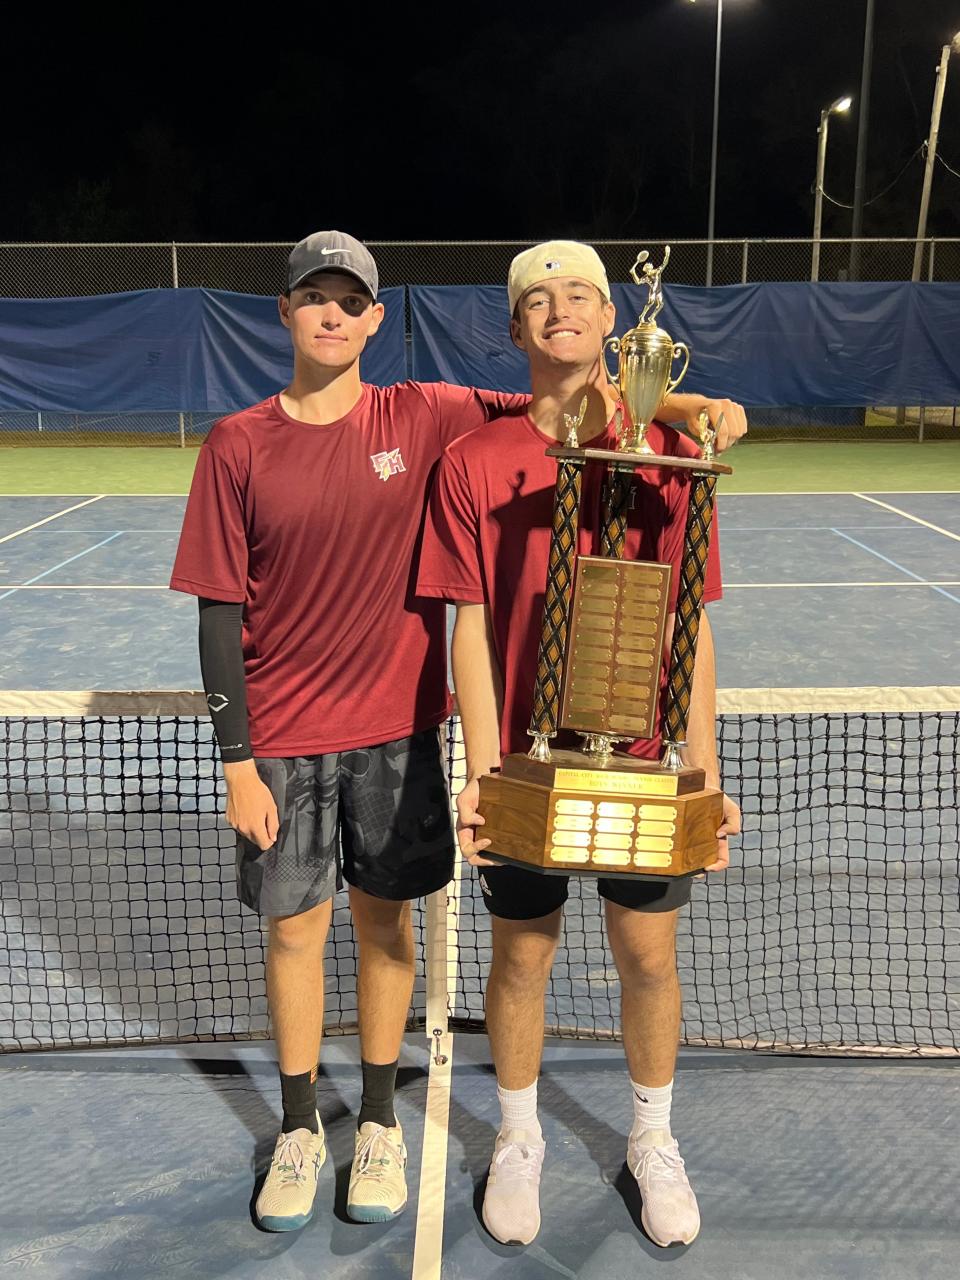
column 384, row 811
column 513, row 893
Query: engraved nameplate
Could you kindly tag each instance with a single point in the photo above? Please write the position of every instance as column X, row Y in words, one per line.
column 614, row 649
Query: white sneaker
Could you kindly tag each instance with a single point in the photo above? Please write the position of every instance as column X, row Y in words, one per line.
column 511, row 1203
column 378, row 1187
column 670, row 1214
column 285, row 1202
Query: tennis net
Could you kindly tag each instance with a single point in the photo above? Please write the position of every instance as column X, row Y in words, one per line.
column 836, row 929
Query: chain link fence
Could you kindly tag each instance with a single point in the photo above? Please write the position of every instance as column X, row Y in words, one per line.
column 34, row 270
column 79, row 270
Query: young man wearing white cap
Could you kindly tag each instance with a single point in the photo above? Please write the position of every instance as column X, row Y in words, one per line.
column 486, row 547
column 326, row 680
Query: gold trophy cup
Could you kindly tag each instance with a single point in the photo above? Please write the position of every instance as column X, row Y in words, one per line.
column 646, row 356
column 597, row 810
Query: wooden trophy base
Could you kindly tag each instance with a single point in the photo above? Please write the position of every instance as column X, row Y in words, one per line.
column 621, row 817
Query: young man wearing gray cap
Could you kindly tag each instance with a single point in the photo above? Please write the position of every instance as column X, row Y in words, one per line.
column 486, row 547
column 326, row 680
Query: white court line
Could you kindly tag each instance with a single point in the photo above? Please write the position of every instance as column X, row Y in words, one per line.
column 729, row 528
column 55, row 516
column 90, row 586
column 906, row 514
column 428, row 1245
column 431, row 1200
column 62, row 530
column 119, row 495
column 821, row 493
column 752, row 586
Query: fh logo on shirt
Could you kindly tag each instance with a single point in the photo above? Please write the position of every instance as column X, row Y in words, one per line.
column 387, row 464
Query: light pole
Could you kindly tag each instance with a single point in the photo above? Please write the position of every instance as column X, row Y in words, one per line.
column 712, row 205
column 941, row 85
column 863, row 129
column 712, row 211
column 841, row 104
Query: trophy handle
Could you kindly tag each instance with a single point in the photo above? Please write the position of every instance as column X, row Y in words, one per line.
column 679, row 348
column 614, row 345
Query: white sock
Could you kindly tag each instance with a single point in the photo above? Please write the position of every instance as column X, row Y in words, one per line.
column 518, row 1109
column 651, row 1107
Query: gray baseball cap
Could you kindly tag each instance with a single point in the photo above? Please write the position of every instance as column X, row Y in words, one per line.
column 332, row 251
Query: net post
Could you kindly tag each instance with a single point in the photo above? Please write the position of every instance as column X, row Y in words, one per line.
column 436, row 963
column 175, row 269
column 441, row 953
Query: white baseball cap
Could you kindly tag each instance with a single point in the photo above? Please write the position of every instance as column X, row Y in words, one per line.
column 552, row 259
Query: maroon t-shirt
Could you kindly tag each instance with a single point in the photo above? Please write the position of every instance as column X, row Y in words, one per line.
column 487, row 541
column 314, row 529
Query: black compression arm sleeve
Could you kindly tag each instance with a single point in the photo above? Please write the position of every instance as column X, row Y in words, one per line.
column 221, row 665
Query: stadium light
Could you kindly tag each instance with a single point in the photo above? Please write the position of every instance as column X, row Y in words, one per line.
column 838, row 107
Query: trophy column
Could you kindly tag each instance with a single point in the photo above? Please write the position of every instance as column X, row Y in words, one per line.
column 614, row 504
column 696, row 544
column 556, row 607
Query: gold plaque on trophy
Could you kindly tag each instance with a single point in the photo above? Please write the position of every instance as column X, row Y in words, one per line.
column 612, row 672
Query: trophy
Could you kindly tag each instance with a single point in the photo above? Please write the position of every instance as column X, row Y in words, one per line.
column 646, row 356
column 598, row 810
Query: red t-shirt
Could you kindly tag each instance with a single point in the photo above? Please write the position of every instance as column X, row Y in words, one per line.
column 487, row 541
column 315, row 530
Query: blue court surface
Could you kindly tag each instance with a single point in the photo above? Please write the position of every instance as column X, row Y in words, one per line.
column 144, row 1162
column 821, row 590
column 805, row 1170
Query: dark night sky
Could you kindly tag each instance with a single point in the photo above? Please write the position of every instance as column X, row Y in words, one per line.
column 505, row 121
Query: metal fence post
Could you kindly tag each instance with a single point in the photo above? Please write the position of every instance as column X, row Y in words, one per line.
column 743, row 263
column 176, row 285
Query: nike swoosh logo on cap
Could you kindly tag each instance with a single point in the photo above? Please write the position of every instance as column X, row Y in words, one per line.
column 325, row 251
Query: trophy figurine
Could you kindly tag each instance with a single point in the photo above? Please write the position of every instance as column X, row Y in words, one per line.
column 646, row 356
column 598, row 810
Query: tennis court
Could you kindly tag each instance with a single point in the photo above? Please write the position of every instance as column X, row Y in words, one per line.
column 821, row 590
column 837, row 931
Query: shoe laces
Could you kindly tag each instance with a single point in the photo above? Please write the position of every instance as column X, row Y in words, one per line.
column 516, row 1158
column 661, row 1164
column 289, row 1159
column 375, row 1155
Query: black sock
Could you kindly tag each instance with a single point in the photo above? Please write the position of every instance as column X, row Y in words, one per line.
column 379, row 1084
column 299, row 1094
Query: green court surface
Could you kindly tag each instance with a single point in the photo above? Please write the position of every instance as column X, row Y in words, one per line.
column 765, row 467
